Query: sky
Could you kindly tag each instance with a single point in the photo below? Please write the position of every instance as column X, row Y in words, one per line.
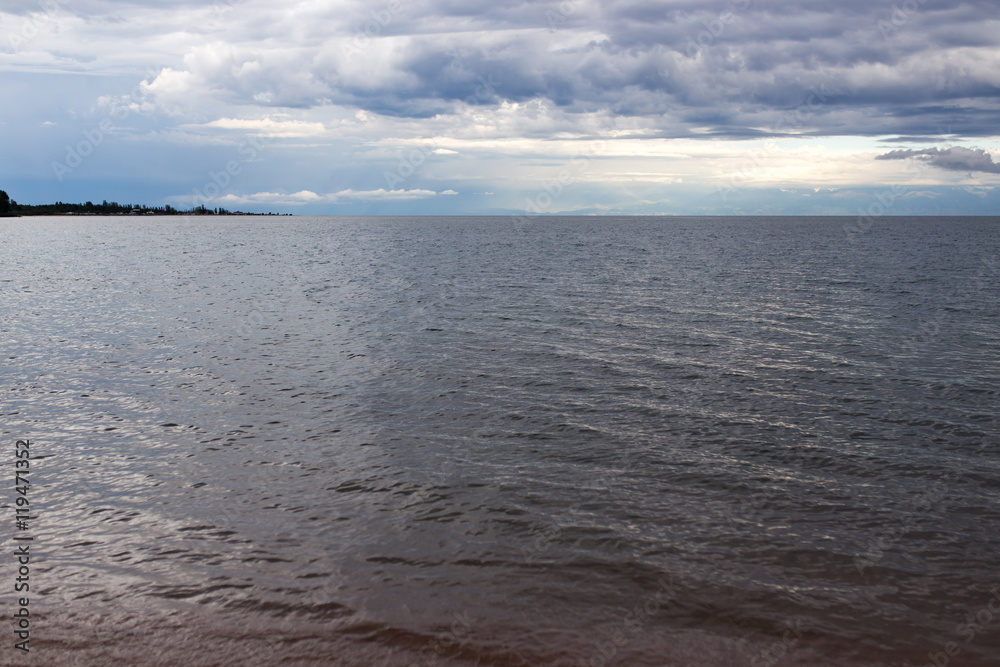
column 463, row 107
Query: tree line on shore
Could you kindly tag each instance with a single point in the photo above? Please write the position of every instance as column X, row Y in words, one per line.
column 9, row 207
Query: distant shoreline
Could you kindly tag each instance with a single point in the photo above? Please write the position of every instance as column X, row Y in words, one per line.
column 33, row 214
column 11, row 209
column 114, row 209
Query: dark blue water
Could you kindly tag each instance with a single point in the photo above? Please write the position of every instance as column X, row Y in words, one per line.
column 574, row 441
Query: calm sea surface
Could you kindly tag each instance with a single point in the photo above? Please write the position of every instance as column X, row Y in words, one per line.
column 477, row 441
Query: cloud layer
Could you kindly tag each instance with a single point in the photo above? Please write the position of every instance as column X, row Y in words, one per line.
column 954, row 159
column 307, row 197
column 724, row 68
column 492, row 94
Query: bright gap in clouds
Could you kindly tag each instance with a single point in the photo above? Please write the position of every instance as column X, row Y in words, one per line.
column 425, row 107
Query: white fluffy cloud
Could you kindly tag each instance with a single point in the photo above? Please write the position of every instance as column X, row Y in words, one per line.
column 270, row 127
column 307, row 197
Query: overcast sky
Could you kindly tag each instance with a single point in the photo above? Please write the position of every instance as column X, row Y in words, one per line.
column 481, row 106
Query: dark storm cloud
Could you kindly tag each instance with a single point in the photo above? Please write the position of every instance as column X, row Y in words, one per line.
column 726, row 68
column 952, row 159
column 737, row 66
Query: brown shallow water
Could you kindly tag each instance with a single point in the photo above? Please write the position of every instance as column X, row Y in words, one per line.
column 477, row 441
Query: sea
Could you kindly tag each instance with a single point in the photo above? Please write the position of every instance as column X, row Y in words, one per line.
column 732, row 441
